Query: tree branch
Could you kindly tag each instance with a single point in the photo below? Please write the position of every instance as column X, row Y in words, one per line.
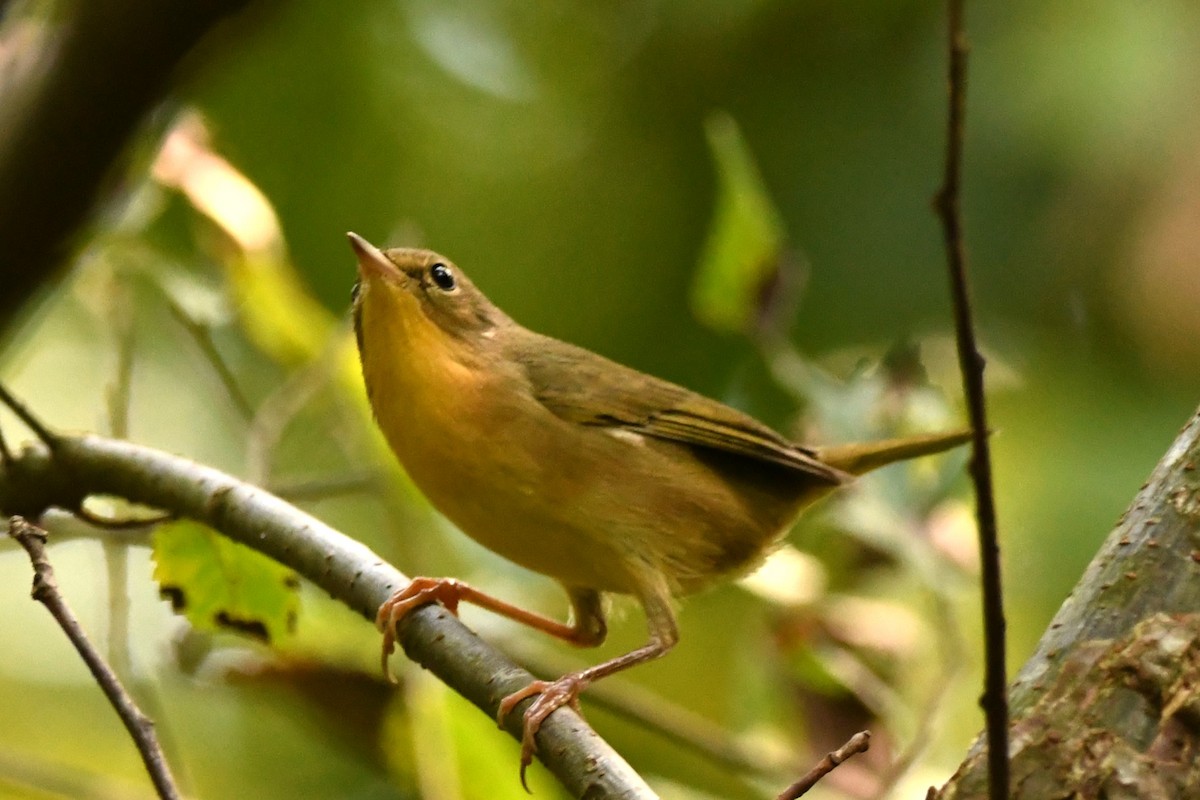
column 1107, row 705
column 45, row 591
column 585, row 764
column 676, row 724
column 858, row 743
column 948, row 203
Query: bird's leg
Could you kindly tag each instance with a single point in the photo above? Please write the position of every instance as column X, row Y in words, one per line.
column 553, row 695
column 587, row 628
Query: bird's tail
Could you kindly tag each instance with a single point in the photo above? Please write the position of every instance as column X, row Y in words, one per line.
column 862, row 457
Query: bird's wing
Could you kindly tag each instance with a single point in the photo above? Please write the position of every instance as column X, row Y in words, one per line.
column 582, row 387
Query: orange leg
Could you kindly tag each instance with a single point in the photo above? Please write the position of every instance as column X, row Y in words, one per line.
column 553, row 695
column 587, row 629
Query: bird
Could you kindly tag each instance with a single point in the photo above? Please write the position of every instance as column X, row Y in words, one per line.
column 604, row 478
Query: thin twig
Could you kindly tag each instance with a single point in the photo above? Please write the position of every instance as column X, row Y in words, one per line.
column 117, row 395
column 202, row 335
column 45, row 591
column 6, row 455
column 116, row 578
column 281, row 408
column 971, row 364
column 25, row 415
column 67, row 526
column 858, row 743
column 92, row 518
column 950, row 654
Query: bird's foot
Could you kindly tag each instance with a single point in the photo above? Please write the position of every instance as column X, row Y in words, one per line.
column 419, row 592
column 552, row 695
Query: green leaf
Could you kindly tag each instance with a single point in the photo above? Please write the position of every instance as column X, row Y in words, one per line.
column 219, row 584
column 740, row 263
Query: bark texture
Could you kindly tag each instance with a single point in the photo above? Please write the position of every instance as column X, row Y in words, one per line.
column 1109, row 704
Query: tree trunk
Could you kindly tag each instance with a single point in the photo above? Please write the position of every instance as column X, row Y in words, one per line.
column 1109, row 704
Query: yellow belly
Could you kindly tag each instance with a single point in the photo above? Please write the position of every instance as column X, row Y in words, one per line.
column 590, row 506
column 580, row 504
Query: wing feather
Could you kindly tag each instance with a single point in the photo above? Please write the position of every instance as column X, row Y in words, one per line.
column 582, row 387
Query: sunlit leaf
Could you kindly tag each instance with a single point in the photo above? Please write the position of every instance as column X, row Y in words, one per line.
column 741, row 261
column 271, row 299
column 279, row 312
column 219, row 584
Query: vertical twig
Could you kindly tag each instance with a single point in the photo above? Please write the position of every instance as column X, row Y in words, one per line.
column 45, row 591
column 971, row 363
column 117, row 395
column 950, row 651
column 202, row 335
column 6, row 455
column 282, row 407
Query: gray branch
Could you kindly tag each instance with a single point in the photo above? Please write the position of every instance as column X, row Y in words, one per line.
column 1108, row 705
column 34, row 480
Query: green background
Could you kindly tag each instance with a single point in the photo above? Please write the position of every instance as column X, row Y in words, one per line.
column 557, row 152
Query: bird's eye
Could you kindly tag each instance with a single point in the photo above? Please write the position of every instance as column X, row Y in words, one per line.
column 442, row 276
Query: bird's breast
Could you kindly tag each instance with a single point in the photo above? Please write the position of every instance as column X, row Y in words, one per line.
column 589, row 505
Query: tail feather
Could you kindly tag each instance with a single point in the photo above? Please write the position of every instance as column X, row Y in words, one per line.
column 862, row 457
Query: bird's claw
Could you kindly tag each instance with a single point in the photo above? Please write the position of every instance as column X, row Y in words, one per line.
column 418, row 592
column 552, row 695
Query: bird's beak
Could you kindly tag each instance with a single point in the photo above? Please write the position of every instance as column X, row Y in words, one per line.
column 372, row 263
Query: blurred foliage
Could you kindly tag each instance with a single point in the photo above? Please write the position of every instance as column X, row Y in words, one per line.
column 559, row 154
column 739, row 265
column 219, row 584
